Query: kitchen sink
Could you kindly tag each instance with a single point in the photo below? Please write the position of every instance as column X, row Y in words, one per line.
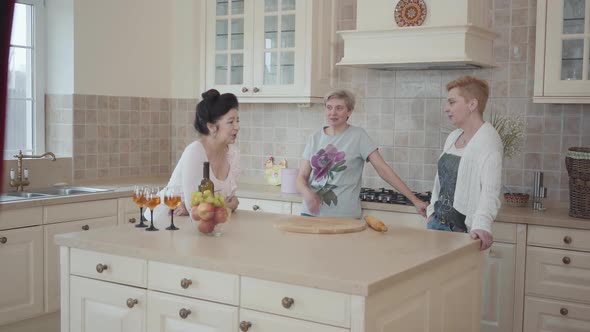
column 24, row 194
column 67, row 191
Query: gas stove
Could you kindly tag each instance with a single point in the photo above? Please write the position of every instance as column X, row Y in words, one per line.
column 390, row 196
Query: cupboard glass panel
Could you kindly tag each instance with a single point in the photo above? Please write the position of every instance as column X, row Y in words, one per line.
column 221, row 69
column 288, row 5
column 221, row 8
column 270, row 31
column 270, row 68
column 237, row 7
column 221, row 32
column 573, row 16
column 237, row 34
column 237, row 69
column 287, row 67
column 572, row 59
column 271, row 6
column 288, row 31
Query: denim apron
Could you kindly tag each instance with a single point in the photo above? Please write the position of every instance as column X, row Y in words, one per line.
column 445, row 217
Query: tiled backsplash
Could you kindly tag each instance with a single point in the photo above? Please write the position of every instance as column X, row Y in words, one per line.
column 402, row 111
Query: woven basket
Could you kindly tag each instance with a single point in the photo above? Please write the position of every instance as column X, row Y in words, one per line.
column 516, row 199
column 577, row 161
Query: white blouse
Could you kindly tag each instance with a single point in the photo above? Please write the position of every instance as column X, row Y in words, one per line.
column 479, row 178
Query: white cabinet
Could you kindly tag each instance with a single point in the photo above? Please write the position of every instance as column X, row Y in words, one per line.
column 255, row 321
column 271, row 50
column 21, row 273
column 18, row 218
column 562, row 58
column 497, row 308
column 555, row 316
column 97, row 306
column 51, row 252
column 262, row 205
column 128, row 212
column 170, row 313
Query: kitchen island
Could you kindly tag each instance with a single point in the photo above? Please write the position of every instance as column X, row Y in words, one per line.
column 256, row 277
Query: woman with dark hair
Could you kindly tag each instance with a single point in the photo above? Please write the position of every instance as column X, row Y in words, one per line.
column 217, row 122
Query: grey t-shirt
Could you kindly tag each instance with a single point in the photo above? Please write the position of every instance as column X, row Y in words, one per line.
column 337, row 167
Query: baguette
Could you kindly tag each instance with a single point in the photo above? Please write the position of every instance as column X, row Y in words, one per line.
column 376, row 224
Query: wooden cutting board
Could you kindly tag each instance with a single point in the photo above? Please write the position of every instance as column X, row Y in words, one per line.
column 320, row 225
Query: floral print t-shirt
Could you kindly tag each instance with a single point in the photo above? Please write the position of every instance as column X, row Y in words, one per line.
column 336, row 170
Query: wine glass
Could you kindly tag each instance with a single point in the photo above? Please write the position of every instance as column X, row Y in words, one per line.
column 152, row 195
column 172, row 199
column 139, row 200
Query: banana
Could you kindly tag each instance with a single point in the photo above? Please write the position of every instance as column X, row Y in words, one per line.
column 376, row 224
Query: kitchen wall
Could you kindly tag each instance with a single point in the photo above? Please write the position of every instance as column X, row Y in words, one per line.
column 118, row 131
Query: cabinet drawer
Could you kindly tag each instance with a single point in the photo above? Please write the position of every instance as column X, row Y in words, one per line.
column 557, row 237
column 261, row 205
column 553, row 315
column 193, row 282
column 558, row 273
column 262, row 322
column 21, row 218
column 188, row 314
column 126, row 204
column 125, row 270
column 296, row 301
column 77, row 211
column 504, row 232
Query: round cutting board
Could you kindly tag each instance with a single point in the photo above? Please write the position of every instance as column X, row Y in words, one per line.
column 321, row 225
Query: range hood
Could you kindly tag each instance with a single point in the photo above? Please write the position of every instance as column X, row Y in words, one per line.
column 454, row 35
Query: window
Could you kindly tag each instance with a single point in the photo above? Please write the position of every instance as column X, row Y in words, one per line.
column 25, row 121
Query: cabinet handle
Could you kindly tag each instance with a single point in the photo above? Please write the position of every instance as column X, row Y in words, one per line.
column 245, row 326
column 255, row 207
column 256, row 90
column 183, row 313
column 244, row 89
column 101, row 267
column 131, row 302
column 287, row 302
column 3, row 239
column 567, row 239
column 184, row 283
column 566, row 260
column 563, row 311
column 85, row 227
column 132, row 220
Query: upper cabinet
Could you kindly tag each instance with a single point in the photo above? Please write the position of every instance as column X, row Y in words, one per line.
column 562, row 67
column 273, row 51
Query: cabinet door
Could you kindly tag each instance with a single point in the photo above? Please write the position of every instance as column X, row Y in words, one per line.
column 170, row 313
column 52, row 283
column 261, row 205
column 97, row 306
column 555, row 316
column 279, row 47
column 498, row 288
column 229, row 46
column 21, row 273
column 255, row 321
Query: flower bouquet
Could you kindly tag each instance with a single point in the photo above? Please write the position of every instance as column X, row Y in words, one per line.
column 208, row 210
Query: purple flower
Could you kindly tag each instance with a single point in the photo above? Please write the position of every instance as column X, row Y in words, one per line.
column 323, row 161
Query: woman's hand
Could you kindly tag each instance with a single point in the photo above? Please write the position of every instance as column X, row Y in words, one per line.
column 485, row 237
column 181, row 210
column 312, row 201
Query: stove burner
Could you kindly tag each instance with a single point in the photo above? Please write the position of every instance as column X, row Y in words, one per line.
column 389, row 196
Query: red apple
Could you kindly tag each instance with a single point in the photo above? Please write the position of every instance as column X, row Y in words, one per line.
column 220, row 215
column 206, row 227
column 195, row 213
column 206, row 211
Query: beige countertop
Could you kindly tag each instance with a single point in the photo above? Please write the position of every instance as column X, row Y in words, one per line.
column 556, row 214
column 355, row 263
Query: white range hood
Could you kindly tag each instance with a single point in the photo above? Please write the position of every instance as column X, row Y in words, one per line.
column 454, row 35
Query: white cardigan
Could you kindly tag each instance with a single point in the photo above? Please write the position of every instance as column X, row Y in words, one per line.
column 479, row 178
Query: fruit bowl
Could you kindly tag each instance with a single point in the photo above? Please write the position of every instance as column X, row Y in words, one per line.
column 516, row 199
column 215, row 218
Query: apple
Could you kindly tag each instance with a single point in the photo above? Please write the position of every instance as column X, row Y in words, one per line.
column 206, row 211
column 221, row 215
column 195, row 213
column 206, row 227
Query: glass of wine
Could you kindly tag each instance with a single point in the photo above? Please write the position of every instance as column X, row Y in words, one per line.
column 152, row 196
column 139, row 200
column 172, row 199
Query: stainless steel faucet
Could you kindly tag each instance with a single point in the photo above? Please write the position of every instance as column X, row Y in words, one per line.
column 20, row 181
column 539, row 192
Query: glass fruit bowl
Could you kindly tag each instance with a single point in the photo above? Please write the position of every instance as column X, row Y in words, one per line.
column 209, row 219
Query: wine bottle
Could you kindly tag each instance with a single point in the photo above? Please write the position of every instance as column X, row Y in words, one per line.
column 206, row 183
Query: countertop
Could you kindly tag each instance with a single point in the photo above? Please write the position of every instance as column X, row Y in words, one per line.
column 556, row 214
column 359, row 263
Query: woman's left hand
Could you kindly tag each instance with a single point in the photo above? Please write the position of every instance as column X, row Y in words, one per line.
column 181, row 210
column 421, row 207
column 485, row 237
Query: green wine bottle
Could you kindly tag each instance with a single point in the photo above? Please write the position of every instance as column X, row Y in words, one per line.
column 206, row 183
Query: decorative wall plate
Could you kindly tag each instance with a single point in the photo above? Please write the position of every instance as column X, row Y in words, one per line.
column 410, row 13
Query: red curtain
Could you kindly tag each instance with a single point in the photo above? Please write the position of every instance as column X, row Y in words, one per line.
column 6, row 12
